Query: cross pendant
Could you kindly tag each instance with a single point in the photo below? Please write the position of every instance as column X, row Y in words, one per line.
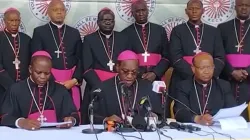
column 42, row 118
column 111, row 65
column 145, row 55
column 238, row 47
column 16, row 63
column 58, row 53
column 197, row 50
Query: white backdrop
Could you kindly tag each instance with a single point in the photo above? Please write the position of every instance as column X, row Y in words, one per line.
column 82, row 13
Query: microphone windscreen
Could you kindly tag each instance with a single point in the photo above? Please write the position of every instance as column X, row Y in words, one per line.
column 139, row 122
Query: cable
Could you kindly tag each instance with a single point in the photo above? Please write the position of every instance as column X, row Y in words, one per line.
column 120, row 134
column 208, row 133
column 226, row 135
column 117, row 132
column 159, row 132
column 92, row 125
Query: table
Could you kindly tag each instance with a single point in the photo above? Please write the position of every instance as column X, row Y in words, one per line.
column 75, row 134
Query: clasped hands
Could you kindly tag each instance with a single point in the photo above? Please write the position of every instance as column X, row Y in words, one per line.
column 240, row 75
column 205, row 119
column 69, row 83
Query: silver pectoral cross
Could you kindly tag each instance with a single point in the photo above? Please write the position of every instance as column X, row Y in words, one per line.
column 238, row 47
column 16, row 62
column 58, row 53
column 197, row 50
column 42, row 119
column 145, row 55
column 111, row 65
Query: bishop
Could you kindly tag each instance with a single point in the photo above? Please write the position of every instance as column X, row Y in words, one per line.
column 100, row 52
column 14, row 46
column 184, row 40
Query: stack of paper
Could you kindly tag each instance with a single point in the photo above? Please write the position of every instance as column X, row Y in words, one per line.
column 230, row 119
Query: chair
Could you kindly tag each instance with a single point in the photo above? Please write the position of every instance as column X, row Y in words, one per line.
column 248, row 110
column 172, row 110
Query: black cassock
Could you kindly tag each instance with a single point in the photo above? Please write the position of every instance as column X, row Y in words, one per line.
column 96, row 54
column 111, row 101
column 182, row 49
column 151, row 38
column 97, row 51
column 10, row 47
column 208, row 99
column 237, row 58
column 71, row 46
column 66, row 64
column 20, row 102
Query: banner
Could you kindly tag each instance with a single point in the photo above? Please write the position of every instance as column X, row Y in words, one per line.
column 82, row 14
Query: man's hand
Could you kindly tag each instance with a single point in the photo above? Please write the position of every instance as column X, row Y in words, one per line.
column 113, row 118
column 69, row 125
column 238, row 75
column 204, row 120
column 149, row 76
column 70, row 83
column 29, row 124
column 245, row 74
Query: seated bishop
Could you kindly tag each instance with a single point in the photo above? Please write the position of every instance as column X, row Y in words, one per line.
column 37, row 99
column 202, row 96
column 122, row 95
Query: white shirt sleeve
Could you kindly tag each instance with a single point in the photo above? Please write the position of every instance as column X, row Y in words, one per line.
column 16, row 123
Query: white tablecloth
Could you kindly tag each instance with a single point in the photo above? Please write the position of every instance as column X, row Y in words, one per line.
column 75, row 134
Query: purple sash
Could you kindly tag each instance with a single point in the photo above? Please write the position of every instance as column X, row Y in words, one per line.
column 189, row 59
column 50, row 115
column 64, row 75
column 104, row 75
column 238, row 60
column 152, row 60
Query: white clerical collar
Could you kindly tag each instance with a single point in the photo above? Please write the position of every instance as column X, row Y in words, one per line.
column 34, row 82
column 143, row 25
column 107, row 36
column 242, row 21
column 13, row 35
column 204, row 85
column 58, row 26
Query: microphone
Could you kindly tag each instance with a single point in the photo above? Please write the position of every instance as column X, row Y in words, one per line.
column 92, row 130
column 160, row 87
column 145, row 102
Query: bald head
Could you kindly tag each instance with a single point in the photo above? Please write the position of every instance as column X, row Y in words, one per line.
column 200, row 57
column 57, row 11
column 55, row 2
column 203, row 67
column 194, row 1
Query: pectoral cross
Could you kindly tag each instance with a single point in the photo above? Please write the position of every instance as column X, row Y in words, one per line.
column 42, row 118
column 16, row 63
column 111, row 65
column 58, row 53
column 197, row 50
column 145, row 55
column 238, row 47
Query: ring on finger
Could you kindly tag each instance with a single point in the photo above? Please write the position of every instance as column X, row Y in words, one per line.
column 33, row 128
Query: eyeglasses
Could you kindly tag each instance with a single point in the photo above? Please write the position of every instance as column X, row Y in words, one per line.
column 210, row 68
column 127, row 72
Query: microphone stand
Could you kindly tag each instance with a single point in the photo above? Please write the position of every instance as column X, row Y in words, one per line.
column 92, row 130
column 164, row 120
column 125, row 127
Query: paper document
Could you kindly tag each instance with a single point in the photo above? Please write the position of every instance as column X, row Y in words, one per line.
column 230, row 119
column 229, row 112
column 48, row 124
column 233, row 123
